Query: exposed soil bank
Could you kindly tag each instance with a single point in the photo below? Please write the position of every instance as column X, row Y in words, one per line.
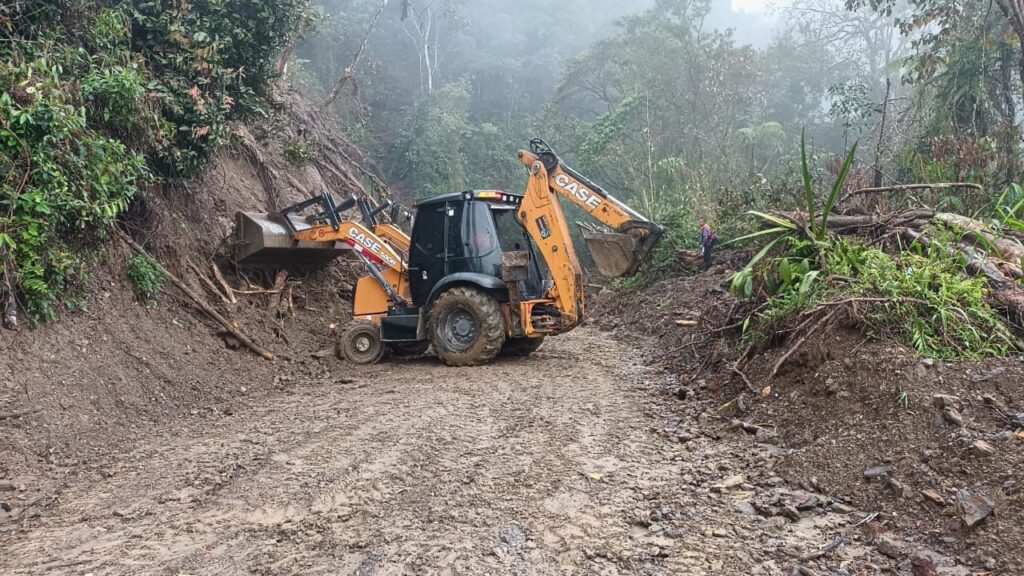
column 858, row 421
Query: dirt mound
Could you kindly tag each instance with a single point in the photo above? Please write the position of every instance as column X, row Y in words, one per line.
column 85, row 385
column 865, row 423
column 899, row 435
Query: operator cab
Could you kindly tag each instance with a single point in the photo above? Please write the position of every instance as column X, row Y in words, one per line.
column 461, row 237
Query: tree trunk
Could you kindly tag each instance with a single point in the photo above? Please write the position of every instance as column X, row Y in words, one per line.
column 1012, row 10
column 881, row 134
column 1005, row 248
column 349, row 72
column 286, row 56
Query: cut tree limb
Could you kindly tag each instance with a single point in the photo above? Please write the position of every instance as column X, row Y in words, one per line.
column 202, row 304
column 223, row 283
column 854, row 223
column 1007, row 248
column 208, row 283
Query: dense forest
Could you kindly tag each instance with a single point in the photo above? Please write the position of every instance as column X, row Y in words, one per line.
column 665, row 108
column 662, row 103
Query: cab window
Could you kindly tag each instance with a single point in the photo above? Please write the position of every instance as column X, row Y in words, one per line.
column 470, row 233
column 511, row 234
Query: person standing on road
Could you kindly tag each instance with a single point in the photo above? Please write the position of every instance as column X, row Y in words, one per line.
column 707, row 242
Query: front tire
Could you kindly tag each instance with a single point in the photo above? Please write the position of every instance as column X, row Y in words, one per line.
column 360, row 344
column 467, row 327
column 522, row 347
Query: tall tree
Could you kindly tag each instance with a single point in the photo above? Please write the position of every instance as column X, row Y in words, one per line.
column 963, row 56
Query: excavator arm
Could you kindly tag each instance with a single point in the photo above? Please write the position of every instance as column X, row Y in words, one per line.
column 618, row 253
column 634, row 236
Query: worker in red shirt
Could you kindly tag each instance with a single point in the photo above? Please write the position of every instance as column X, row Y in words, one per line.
column 707, row 242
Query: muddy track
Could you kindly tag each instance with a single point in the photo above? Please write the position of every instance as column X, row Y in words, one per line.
column 555, row 465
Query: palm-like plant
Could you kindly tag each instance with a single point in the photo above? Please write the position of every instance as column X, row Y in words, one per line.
column 804, row 237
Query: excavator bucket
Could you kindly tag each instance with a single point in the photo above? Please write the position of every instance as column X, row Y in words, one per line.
column 615, row 255
column 264, row 240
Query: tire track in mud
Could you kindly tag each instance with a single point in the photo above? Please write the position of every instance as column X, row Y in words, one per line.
column 419, row 465
column 549, row 465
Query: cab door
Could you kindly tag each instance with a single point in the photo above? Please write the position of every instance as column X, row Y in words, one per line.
column 427, row 253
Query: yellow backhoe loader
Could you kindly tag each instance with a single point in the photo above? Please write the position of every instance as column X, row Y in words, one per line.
column 483, row 271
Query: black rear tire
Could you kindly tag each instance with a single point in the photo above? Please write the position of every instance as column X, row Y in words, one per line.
column 361, row 344
column 466, row 327
column 522, row 347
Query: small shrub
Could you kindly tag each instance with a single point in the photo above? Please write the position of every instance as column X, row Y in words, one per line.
column 146, row 276
column 297, row 153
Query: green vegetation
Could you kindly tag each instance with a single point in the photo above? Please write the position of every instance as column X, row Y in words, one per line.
column 902, row 398
column 147, row 277
column 297, row 153
column 65, row 171
column 921, row 297
column 211, row 61
column 99, row 99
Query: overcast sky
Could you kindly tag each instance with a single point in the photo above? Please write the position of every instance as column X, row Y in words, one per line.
column 755, row 21
column 750, row 6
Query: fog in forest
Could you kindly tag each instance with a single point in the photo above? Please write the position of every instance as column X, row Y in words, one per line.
column 680, row 106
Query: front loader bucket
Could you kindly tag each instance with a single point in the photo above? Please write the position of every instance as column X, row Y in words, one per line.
column 615, row 255
column 263, row 240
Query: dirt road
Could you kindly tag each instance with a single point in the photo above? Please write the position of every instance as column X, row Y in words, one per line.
column 556, row 465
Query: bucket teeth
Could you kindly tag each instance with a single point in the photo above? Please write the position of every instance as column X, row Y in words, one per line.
column 263, row 240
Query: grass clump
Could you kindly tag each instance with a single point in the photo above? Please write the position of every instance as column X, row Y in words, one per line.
column 297, row 154
column 922, row 300
column 146, row 276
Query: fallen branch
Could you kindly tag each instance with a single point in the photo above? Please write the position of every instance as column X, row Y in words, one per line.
column 207, row 282
column 905, row 187
column 747, row 427
column 257, row 291
column 837, row 541
column 196, row 298
column 223, row 283
column 803, row 339
column 735, row 369
column 279, row 285
column 841, row 222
